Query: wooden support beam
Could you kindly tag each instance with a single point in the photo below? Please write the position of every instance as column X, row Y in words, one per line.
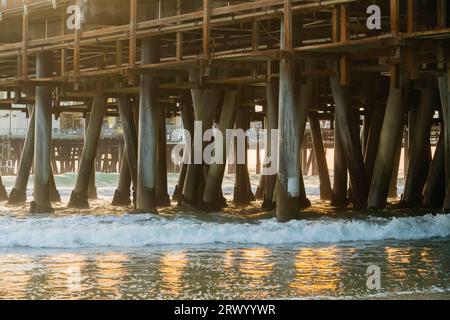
column 288, row 190
column 129, row 135
column 395, row 16
column 18, row 194
column 192, row 190
column 79, row 197
column 344, row 23
column 411, row 15
column 288, row 39
column 420, row 150
column 340, row 174
column 206, row 37
column 321, row 160
column 376, row 124
column 162, row 194
column 351, row 142
column 76, row 52
column 3, row 193
column 272, row 93
column 391, row 133
column 444, row 89
column 434, row 189
column 122, row 194
column 344, row 62
column 441, row 14
column 43, row 137
column 179, row 41
column 119, row 48
column 335, row 24
column 25, row 39
column 132, row 41
column 187, row 116
column 242, row 187
column 148, row 133
column 212, row 195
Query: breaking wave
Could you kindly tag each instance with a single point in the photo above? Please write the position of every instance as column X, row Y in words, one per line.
column 150, row 230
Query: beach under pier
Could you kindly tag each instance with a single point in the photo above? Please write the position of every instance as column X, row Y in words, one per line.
column 368, row 80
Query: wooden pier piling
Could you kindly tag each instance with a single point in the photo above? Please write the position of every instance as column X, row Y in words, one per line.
column 79, row 197
column 43, row 137
column 148, row 130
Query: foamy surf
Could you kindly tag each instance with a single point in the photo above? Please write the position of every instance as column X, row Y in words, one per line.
column 149, row 230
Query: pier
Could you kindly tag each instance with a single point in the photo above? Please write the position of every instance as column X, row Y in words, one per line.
column 367, row 79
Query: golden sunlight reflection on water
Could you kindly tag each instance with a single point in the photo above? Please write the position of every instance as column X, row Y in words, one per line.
column 224, row 273
column 15, row 275
column 172, row 265
column 317, row 271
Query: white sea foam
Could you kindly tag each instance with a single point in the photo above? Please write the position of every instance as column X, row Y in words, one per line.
column 149, row 230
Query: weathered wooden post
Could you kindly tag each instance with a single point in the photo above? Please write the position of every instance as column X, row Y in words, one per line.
column 376, row 124
column 351, row 143
column 340, row 175
column 129, row 137
column 79, row 198
column 54, row 193
column 162, row 195
column 420, row 150
column 205, row 103
column 92, row 189
column 434, row 189
column 43, row 137
column 148, row 130
column 187, row 116
column 122, row 193
column 288, row 191
column 272, row 92
column 390, row 135
column 242, row 188
column 325, row 184
column 3, row 193
column 19, row 192
column 212, row 195
column 444, row 90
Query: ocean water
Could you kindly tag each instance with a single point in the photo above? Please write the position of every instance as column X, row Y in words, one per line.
column 111, row 253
